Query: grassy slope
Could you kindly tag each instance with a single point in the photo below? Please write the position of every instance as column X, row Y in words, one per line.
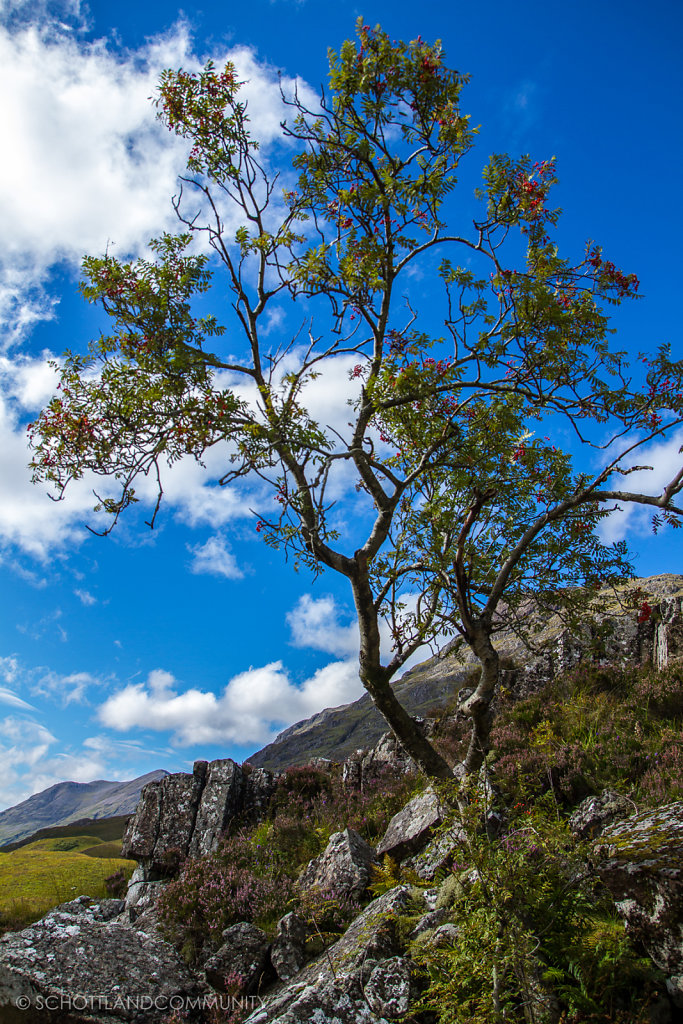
column 101, row 830
column 48, row 871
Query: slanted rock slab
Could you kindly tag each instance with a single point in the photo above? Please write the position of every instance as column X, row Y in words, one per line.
column 331, row 988
column 409, row 830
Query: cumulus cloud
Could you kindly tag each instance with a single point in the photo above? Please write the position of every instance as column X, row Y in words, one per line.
column 665, row 459
column 215, row 559
column 88, row 163
column 253, row 706
column 85, row 597
column 314, row 623
column 90, row 167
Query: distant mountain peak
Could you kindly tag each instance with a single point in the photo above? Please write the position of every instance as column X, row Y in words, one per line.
column 72, row 801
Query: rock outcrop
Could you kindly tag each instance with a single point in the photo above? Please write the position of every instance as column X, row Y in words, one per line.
column 239, row 965
column 343, row 867
column 595, row 813
column 332, row 988
column 185, row 815
column 642, row 866
column 410, row 828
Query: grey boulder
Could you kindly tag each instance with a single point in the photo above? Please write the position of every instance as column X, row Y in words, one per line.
column 344, row 867
column 85, row 962
column 239, row 965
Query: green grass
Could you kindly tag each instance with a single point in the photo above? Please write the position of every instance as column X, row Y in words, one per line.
column 101, row 830
column 111, row 850
column 42, row 874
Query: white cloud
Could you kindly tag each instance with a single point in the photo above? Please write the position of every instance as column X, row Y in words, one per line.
column 252, row 707
column 666, row 460
column 89, row 164
column 68, row 689
column 214, row 559
column 9, row 668
column 315, row 623
column 10, row 698
column 85, row 597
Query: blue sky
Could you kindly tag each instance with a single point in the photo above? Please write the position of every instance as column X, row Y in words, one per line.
column 147, row 650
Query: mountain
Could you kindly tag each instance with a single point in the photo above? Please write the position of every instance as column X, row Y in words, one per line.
column 70, row 801
column 336, row 733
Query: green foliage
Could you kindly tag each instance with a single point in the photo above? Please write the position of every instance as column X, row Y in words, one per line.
column 385, row 877
column 533, row 942
column 595, row 728
column 462, row 496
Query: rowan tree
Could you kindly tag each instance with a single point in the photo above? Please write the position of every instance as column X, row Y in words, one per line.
column 468, row 502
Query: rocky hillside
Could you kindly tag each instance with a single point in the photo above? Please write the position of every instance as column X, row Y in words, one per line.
column 68, row 802
column 351, row 894
column 336, row 733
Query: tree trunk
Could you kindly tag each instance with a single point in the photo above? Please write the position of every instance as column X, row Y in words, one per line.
column 478, row 706
column 406, row 730
column 376, row 681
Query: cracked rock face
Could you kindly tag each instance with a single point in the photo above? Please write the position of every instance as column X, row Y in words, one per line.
column 596, row 812
column 332, row 987
column 344, row 866
column 642, row 867
column 239, row 965
column 87, row 965
column 388, row 988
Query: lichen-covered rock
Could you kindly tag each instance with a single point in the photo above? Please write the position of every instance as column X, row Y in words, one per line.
column 259, row 786
column 185, row 815
column 438, row 853
column 143, row 828
column 83, row 961
column 596, row 812
column 387, row 990
column 141, row 904
column 410, row 829
column 287, row 953
column 330, row 988
column 428, row 922
column 222, row 801
column 330, row 1001
column 239, row 965
column 343, row 867
column 642, row 866
column 159, row 833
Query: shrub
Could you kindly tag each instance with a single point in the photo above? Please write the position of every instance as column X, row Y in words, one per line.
column 116, row 884
column 532, row 940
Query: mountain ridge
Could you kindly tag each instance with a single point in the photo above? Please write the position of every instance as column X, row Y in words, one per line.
column 67, row 802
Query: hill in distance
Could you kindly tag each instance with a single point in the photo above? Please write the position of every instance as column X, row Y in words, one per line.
column 69, row 802
column 336, row 733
